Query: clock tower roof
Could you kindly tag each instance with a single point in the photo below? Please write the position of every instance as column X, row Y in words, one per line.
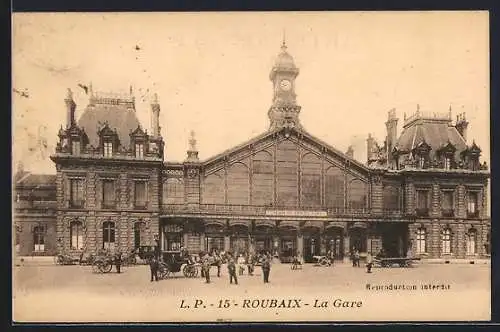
column 284, row 59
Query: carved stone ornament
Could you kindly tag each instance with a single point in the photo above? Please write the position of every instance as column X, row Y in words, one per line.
column 192, row 172
column 70, row 220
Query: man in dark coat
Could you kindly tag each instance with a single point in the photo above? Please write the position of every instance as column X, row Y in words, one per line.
column 206, row 267
column 231, row 268
column 153, row 266
column 118, row 261
column 266, row 268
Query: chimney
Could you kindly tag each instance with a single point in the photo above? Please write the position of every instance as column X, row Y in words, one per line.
column 192, row 153
column 350, row 152
column 370, row 143
column 155, row 116
column 70, row 108
column 462, row 125
column 392, row 131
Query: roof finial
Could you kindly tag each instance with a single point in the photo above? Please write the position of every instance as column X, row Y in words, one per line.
column 192, row 141
column 418, row 109
column 283, row 43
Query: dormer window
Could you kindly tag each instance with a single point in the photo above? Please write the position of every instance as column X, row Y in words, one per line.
column 421, row 153
column 108, row 149
column 139, row 150
column 75, row 147
column 447, row 162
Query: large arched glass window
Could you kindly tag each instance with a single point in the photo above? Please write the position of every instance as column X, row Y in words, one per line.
column 76, row 236
column 108, row 235
column 446, row 241
column 421, row 241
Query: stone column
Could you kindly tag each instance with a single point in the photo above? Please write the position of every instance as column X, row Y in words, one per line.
column 275, row 245
column 347, row 244
column 202, row 242
column 185, row 238
column 227, row 243
column 300, row 246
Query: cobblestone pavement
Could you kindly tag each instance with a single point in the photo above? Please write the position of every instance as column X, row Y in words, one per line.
column 75, row 293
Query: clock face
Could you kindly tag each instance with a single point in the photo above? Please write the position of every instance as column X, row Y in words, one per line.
column 285, row 85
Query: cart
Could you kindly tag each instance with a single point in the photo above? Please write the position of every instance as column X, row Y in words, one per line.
column 172, row 263
column 102, row 264
column 66, row 259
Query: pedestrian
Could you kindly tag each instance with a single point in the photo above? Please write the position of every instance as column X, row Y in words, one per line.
column 356, row 258
column 266, row 268
column 250, row 264
column 231, row 268
column 241, row 264
column 153, row 266
column 206, row 267
column 118, row 261
column 369, row 263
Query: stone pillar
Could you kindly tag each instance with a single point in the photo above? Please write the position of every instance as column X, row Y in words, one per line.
column 435, row 208
column 462, row 208
column 347, row 244
column 202, row 242
column 322, row 245
column 275, row 245
column 409, row 193
column 435, row 240
column 227, row 243
column 300, row 247
column 185, row 238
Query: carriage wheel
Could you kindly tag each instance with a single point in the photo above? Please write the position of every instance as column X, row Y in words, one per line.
column 164, row 272
column 133, row 260
column 58, row 259
column 323, row 262
column 188, row 271
column 105, row 267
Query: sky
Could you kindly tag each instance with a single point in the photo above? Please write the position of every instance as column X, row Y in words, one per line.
column 211, row 73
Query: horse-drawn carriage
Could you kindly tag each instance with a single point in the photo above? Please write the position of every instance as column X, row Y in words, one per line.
column 173, row 262
column 392, row 261
column 66, row 259
column 103, row 263
column 322, row 261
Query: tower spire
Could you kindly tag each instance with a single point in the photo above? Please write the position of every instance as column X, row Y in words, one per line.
column 283, row 43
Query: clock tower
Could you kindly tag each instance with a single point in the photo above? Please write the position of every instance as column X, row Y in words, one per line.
column 284, row 111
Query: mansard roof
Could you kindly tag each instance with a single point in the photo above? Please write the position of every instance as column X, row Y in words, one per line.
column 320, row 144
column 36, row 180
column 435, row 133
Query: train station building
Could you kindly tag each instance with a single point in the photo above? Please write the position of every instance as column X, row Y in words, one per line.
column 423, row 192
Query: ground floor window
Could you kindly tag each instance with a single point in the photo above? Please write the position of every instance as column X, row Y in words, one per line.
column 288, row 247
column 214, row 243
column 138, row 233
column 108, row 235
column 421, row 241
column 335, row 245
column 470, row 242
column 446, row 241
column 172, row 237
column 39, row 238
column 76, row 236
column 358, row 239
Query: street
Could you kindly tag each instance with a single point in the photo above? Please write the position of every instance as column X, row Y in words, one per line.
column 342, row 292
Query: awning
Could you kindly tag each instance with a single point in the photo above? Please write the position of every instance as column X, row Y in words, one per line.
column 239, row 223
column 335, row 225
column 313, row 224
column 289, row 224
column 359, row 224
column 215, row 223
column 264, row 224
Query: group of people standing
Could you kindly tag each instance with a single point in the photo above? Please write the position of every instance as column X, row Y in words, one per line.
column 355, row 258
column 235, row 264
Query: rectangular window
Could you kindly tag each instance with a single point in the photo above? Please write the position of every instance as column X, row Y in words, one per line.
column 139, row 150
column 422, row 202
column 471, row 243
column 447, row 204
column 472, row 204
column 39, row 238
column 75, row 147
column 108, row 193
column 420, row 249
column 76, row 194
column 76, row 236
column 140, row 194
column 421, row 162
column 137, row 234
column 108, row 235
column 108, row 149
column 446, row 242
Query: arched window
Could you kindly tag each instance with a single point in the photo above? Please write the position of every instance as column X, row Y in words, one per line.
column 39, row 238
column 76, row 235
column 263, row 178
column 334, row 188
column 470, row 242
column 108, row 235
column 213, row 191
column 446, row 241
column 238, row 185
column 421, row 241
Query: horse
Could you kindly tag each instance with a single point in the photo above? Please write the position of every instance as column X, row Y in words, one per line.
column 216, row 259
